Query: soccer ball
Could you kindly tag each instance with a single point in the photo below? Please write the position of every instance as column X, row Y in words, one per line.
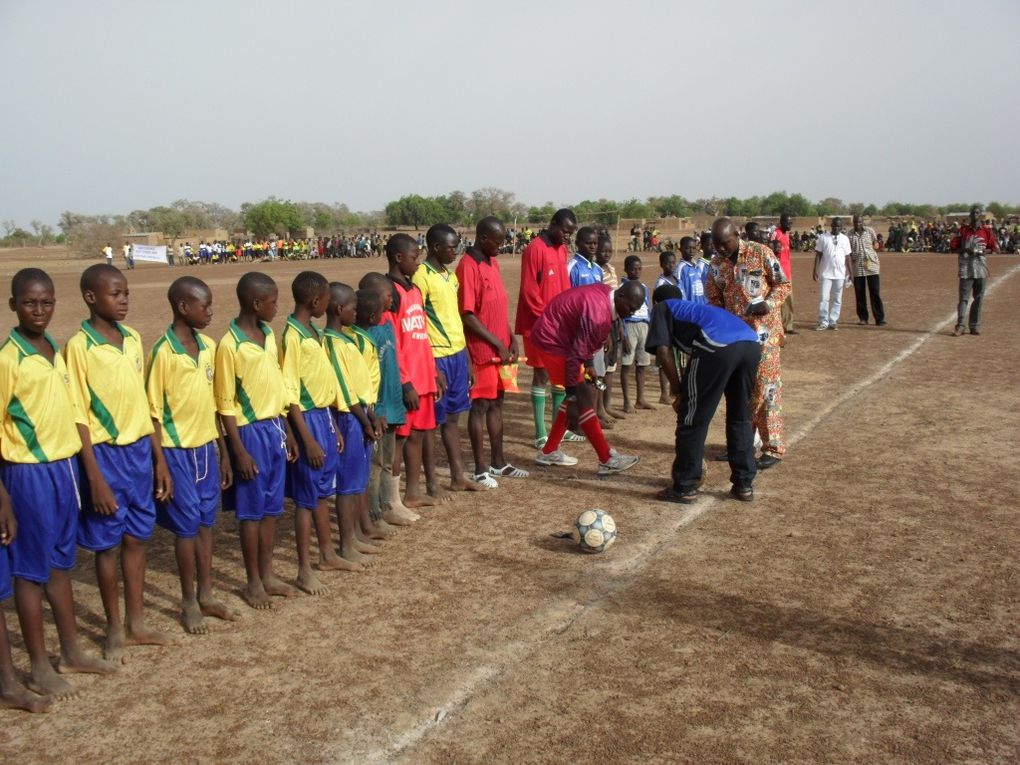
column 594, row 530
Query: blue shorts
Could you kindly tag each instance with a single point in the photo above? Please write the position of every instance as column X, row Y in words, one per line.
column 262, row 496
column 307, row 485
column 457, row 398
column 196, row 476
column 355, row 459
column 46, row 505
column 6, row 589
column 128, row 471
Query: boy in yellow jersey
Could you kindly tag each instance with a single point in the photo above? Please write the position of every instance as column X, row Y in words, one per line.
column 438, row 286
column 38, row 441
column 356, row 422
column 312, row 392
column 252, row 400
column 179, row 383
column 121, row 456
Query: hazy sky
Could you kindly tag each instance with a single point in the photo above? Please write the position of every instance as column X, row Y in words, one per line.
column 114, row 106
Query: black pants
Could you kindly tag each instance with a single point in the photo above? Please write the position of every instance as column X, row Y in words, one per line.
column 730, row 371
column 863, row 285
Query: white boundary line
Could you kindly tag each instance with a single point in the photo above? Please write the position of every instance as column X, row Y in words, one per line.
column 509, row 656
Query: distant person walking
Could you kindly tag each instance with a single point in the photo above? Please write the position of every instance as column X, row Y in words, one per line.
column 864, row 259
column 108, row 254
column 972, row 243
column 832, row 270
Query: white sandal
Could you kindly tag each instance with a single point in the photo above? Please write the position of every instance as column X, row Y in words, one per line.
column 484, row 479
column 509, row 471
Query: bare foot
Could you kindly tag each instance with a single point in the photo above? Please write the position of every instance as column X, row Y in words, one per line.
column 278, row 587
column 366, row 547
column 394, row 518
column 85, row 664
column 16, row 697
column 422, row 500
column 384, row 528
column 376, row 533
column 216, row 609
column 334, row 563
column 664, row 400
column 114, row 648
column 616, row 415
column 462, row 484
column 191, row 617
column 607, row 423
column 255, row 596
column 142, row 635
column 629, row 408
column 45, row 682
column 645, row 405
column 310, row 583
column 355, row 558
column 342, row 564
column 398, row 510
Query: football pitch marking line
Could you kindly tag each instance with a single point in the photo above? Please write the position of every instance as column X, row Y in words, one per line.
column 561, row 617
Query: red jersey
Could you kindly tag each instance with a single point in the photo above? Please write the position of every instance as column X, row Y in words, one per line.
column 575, row 325
column 784, row 251
column 482, row 293
column 414, row 351
column 544, row 275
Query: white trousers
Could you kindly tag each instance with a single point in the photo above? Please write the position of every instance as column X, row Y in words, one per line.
column 830, row 301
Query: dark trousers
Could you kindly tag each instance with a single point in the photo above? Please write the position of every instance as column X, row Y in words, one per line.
column 729, row 371
column 977, row 286
column 862, row 286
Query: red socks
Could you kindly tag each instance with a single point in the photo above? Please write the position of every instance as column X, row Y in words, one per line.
column 589, row 424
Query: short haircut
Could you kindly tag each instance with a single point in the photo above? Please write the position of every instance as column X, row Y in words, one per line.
column 398, row 244
column 370, row 280
column 252, row 285
column 605, row 238
column 486, row 224
column 665, row 255
column 666, row 292
column 94, row 274
column 750, row 226
column 369, row 305
column 706, row 237
column 688, row 239
column 27, row 276
column 585, row 231
column 437, row 232
column 339, row 293
column 563, row 216
column 307, row 286
column 183, row 287
column 630, row 260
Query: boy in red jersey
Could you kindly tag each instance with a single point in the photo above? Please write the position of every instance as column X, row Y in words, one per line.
column 422, row 382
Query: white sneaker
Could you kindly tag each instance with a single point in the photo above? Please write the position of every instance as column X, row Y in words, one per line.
column 821, row 327
column 555, row 458
column 540, row 442
column 617, row 463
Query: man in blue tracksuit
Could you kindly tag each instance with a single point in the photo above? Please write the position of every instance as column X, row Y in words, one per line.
column 724, row 355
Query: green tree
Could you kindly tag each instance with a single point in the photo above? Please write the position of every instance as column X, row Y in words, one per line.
column 415, row 210
column 542, row 214
column 271, row 216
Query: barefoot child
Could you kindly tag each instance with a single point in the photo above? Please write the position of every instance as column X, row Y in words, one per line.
column 667, row 264
column 604, row 257
column 311, row 394
column 38, row 441
column 251, row 400
column 384, row 479
column 422, row 383
column 347, row 348
column 635, row 331
column 439, row 285
column 179, row 383
column 121, row 456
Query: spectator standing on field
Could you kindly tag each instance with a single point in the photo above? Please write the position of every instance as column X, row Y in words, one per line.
column 864, row 257
column 782, row 236
column 832, row 270
column 972, row 243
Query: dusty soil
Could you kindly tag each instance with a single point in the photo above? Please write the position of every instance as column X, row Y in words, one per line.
column 862, row 609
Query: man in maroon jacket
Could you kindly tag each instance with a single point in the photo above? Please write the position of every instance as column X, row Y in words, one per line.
column 973, row 242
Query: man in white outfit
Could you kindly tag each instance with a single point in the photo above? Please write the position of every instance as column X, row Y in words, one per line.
column 832, row 270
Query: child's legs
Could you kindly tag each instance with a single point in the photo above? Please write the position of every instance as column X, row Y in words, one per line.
column 109, row 587
column 639, row 376
column 494, row 424
column 303, row 536
column 266, row 547
column 323, row 532
column 250, row 552
column 476, row 432
column 412, row 448
column 450, row 432
column 624, row 387
column 203, row 561
column 185, row 550
column 28, row 600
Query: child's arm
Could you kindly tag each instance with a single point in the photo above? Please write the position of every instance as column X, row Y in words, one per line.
column 103, row 501
column 366, row 424
column 225, row 390
column 291, row 444
column 164, row 485
column 290, row 365
column 244, row 462
column 8, row 525
column 226, row 474
column 313, row 450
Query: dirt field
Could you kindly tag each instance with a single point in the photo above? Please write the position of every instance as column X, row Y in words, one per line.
column 863, row 609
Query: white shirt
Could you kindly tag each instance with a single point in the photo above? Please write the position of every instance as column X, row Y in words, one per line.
column 834, row 250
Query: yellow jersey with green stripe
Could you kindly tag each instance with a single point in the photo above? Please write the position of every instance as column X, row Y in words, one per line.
column 306, row 370
column 247, row 381
column 39, row 408
column 180, row 390
column 439, row 297
column 109, row 385
column 350, row 370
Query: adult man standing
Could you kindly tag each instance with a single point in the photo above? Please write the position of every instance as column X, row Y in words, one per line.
column 782, row 235
column 572, row 328
column 544, row 275
column 865, row 270
column 747, row 280
column 832, row 269
column 972, row 244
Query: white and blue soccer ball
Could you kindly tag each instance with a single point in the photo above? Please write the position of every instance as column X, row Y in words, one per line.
column 594, row 531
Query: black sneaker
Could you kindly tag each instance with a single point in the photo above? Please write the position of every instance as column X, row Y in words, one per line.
column 742, row 491
column 766, row 461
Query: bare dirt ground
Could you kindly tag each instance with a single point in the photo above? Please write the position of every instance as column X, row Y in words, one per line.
column 863, row 609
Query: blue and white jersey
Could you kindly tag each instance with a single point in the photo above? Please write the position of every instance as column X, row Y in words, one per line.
column 687, row 325
column 583, row 271
column 644, row 312
column 691, row 279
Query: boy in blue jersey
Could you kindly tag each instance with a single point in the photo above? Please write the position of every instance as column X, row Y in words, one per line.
column 251, row 400
column 311, row 391
column 582, row 268
column 179, row 383
column 724, row 353
column 635, row 331
column 691, row 273
column 39, row 522
column 121, row 456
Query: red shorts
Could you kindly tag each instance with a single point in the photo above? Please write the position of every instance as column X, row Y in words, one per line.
column 422, row 418
column 488, row 383
column 531, row 353
column 556, row 367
